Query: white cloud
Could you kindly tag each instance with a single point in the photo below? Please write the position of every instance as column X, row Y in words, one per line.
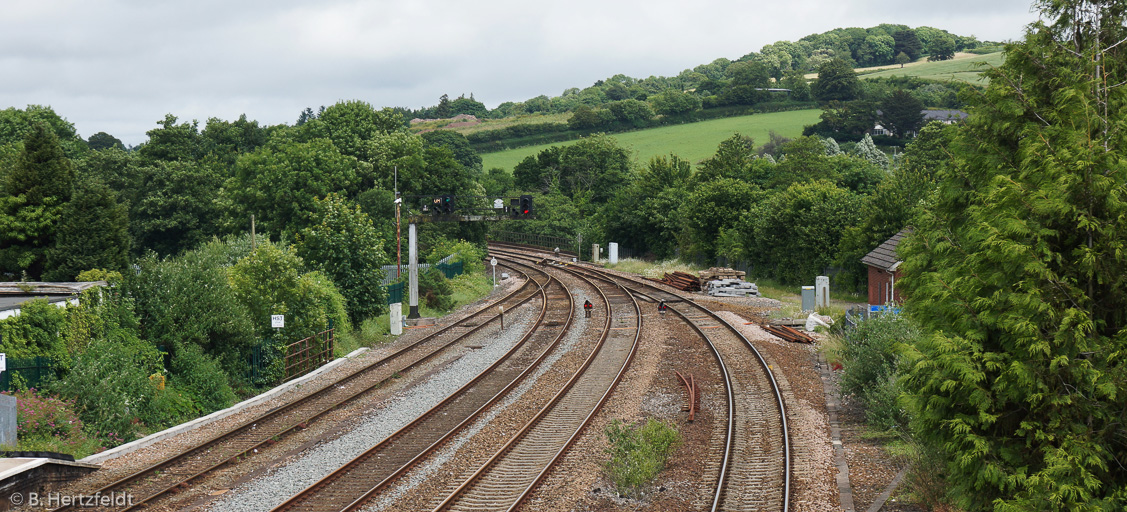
column 119, row 66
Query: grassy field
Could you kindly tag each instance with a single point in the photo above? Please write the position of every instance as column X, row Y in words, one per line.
column 964, row 68
column 691, row 141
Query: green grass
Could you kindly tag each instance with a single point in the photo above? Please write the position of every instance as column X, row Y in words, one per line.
column 964, row 69
column 493, row 124
column 468, row 288
column 691, row 141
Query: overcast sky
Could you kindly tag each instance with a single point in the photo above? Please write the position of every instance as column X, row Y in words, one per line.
column 119, row 66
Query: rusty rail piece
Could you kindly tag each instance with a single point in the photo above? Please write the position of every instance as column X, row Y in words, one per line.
column 525, row 460
column 788, row 333
column 257, row 434
column 691, row 392
column 353, row 484
column 737, row 440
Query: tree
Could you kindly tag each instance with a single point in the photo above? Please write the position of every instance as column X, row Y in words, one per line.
column 907, row 43
column 671, row 102
column 1017, row 269
column 456, row 143
column 171, row 142
column 711, row 208
column 836, row 82
column 103, row 140
column 943, row 48
column 901, row 113
column 41, row 182
column 279, row 183
column 344, row 245
column 902, row 58
column 174, row 206
column 93, row 233
column 631, row 112
column 443, row 110
column 877, row 50
column 805, row 219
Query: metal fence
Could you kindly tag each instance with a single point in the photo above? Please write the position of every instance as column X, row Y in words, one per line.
column 395, row 287
column 309, row 354
column 541, row 241
column 32, row 371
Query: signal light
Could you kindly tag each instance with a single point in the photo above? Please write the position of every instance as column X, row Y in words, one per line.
column 525, row 208
column 448, row 204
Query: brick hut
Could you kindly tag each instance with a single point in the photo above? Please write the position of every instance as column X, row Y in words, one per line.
column 884, row 270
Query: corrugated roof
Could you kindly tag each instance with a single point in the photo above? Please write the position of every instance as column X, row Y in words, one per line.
column 884, row 256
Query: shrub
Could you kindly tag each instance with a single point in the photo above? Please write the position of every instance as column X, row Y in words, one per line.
column 869, row 355
column 471, row 256
column 436, row 291
column 638, row 453
column 201, row 379
column 109, row 385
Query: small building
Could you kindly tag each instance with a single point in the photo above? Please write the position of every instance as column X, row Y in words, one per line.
column 884, row 270
column 14, row 294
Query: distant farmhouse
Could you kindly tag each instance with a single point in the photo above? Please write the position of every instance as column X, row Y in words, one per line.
column 943, row 116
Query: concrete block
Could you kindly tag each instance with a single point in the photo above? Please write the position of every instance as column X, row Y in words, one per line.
column 8, row 420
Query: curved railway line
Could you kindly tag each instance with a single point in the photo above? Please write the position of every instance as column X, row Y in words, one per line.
column 755, row 469
column 176, row 472
column 349, row 487
column 752, row 469
column 504, row 481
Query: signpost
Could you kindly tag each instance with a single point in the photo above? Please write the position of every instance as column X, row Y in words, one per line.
column 494, row 263
column 278, row 321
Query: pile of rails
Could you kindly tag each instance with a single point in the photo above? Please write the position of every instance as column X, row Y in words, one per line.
column 681, row 281
column 788, row 333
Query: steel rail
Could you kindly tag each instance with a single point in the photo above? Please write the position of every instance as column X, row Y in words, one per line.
column 785, row 434
column 525, row 431
column 325, row 390
column 311, row 497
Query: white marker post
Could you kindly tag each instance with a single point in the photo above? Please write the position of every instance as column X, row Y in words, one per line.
column 494, row 263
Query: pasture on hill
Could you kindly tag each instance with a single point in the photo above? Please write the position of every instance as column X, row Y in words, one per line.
column 691, row 141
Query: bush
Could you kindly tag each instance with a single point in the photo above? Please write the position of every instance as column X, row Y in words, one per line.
column 201, row 379
column 638, row 453
column 436, row 291
column 110, row 387
column 871, row 366
column 471, row 256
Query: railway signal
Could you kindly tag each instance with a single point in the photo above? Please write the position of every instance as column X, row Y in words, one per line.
column 524, row 208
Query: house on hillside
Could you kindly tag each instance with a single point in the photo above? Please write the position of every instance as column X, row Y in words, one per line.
column 943, row 116
column 884, row 270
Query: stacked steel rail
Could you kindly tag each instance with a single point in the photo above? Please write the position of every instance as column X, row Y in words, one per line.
column 742, row 480
column 257, row 434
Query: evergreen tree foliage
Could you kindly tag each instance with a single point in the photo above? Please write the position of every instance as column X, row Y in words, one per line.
column 1019, row 270
column 867, row 150
column 38, row 186
column 93, row 232
column 901, row 113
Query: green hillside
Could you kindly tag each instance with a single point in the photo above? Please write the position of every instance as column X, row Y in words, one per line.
column 693, row 141
column 964, row 68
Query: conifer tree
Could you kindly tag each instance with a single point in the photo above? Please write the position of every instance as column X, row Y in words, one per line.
column 1019, row 269
column 38, row 185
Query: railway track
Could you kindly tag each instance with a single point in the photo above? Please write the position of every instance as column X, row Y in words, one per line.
column 754, row 471
column 508, row 476
column 167, row 476
column 351, row 486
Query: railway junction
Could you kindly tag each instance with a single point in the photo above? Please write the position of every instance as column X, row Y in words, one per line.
column 467, row 415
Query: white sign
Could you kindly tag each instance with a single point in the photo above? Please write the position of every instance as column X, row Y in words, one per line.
column 3, row 363
column 277, row 321
column 499, row 204
column 493, row 262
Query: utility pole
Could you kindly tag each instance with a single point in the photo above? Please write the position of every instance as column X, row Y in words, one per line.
column 398, row 230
